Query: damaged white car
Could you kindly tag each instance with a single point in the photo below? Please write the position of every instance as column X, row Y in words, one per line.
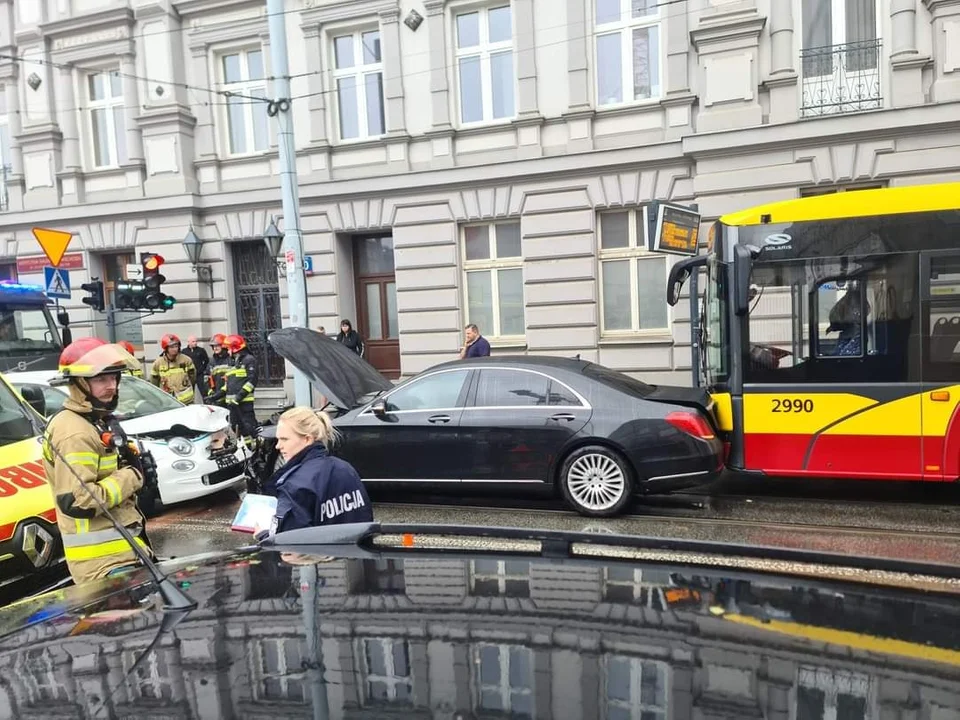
column 196, row 452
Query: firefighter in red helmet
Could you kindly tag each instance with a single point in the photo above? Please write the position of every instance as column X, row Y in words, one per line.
column 216, row 375
column 173, row 372
column 128, row 346
column 241, row 383
column 75, row 454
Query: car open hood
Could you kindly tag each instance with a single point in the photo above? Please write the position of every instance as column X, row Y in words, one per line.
column 200, row 418
column 339, row 373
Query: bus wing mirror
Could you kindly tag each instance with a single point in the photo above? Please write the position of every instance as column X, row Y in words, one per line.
column 743, row 256
column 67, row 336
column 63, row 317
column 679, row 274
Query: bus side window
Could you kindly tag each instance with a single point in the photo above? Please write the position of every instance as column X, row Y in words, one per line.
column 943, row 320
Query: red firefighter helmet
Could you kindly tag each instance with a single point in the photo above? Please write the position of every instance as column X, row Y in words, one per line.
column 90, row 356
column 127, row 345
column 235, row 343
column 218, row 339
column 168, row 340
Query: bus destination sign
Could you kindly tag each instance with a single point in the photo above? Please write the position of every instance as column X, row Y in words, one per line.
column 675, row 229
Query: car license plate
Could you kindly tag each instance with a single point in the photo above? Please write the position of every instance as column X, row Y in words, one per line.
column 225, row 461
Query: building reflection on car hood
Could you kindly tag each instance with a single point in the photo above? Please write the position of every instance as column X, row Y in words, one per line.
column 500, row 637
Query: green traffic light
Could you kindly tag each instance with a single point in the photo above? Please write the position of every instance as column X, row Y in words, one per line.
column 169, row 302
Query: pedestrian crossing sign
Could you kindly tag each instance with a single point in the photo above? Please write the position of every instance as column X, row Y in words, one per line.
column 57, row 282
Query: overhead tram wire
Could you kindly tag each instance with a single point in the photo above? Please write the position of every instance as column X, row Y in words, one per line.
column 249, row 99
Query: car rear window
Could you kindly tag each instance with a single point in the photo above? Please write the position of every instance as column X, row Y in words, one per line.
column 618, row 381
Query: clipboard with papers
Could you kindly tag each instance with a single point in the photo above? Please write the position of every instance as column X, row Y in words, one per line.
column 257, row 512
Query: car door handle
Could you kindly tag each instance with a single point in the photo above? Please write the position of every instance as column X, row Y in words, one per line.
column 438, row 419
column 565, row 417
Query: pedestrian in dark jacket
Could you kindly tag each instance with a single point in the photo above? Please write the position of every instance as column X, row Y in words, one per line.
column 350, row 337
column 313, row 488
column 201, row 361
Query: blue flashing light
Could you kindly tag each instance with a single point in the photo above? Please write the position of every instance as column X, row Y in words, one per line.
column 20, row 287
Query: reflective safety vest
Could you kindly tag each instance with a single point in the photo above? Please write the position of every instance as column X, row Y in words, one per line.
column 74, row 455
column 220, row 364
column 176, row 377
column 241, row 378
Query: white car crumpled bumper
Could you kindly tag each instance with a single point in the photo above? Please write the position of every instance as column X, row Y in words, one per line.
column 197, row 474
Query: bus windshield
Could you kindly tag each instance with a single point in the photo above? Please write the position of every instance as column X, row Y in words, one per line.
column 714, row 324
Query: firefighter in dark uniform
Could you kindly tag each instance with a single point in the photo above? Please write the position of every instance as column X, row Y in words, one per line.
column 76, row 453
column 241, row 383
column 220, row 363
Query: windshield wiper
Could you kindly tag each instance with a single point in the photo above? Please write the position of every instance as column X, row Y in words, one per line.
column 176, row 603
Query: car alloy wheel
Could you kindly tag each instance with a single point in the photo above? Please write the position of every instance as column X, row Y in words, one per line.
column 596, row 481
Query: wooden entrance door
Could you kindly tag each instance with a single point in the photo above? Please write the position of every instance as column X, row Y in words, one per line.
column 376, row 285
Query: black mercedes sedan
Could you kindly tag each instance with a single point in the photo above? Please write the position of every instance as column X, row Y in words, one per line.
column 563, row 425
column 342, row 623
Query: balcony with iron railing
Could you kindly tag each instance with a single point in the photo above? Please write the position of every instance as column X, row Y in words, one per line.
column 841, row 79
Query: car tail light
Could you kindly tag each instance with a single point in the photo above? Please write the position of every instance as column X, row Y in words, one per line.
column 691, row 423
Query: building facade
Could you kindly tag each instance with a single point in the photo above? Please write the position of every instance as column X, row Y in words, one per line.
column 459, row 161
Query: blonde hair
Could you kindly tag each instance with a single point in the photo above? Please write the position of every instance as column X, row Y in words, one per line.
column 313, row 424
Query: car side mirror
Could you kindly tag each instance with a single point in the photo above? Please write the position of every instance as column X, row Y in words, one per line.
column 380, row 409
column 33, row 394
column 63, row 317
column 67, row 336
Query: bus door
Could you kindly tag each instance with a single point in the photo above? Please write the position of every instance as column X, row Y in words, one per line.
column 940, row 292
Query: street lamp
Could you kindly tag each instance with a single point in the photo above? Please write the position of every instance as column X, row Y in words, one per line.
column 193, row 247
column 274, row 239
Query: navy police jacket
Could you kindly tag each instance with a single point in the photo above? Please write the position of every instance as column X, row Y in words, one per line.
column 314, row 488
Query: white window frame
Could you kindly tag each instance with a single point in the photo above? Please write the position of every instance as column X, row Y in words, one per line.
column 625, row 27
column 108, row 105
column 245, row 87
column 504, row 687
column 645, row 591
column 492, row 265
column 148, row 676
column 286, row 676
column 390, row 679
column 636, row 252
column 501, row 576
column 634, row 706
column 359, row 71
column 485, row 49
column 832, row 681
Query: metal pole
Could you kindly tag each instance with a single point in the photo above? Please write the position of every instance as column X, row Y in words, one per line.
column 695, row 325
column 292, row 236
column 315, row 669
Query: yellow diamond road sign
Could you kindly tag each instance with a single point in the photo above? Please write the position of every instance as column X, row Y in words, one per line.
column 53, row 242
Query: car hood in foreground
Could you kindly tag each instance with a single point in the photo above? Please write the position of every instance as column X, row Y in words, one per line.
column 477, row 634
column 199, row 418
column 339, row 373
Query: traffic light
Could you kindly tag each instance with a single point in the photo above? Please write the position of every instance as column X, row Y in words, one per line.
column 95, row 298
column 147, row 292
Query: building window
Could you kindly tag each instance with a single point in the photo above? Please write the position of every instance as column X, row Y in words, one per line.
column 484, row 43
column 107, row 131
column 382, row 577
column 151, row 680
column 636, row 689
column 628, row 50
column 39, row 673
column 635, row 586
column 505, row 683
column 243, row 73
column 277, row 669
column 500, row 578
column 840, row 57
column 631, row 278
column 825, row 694
column 388, row 679
column 493, row 266
column 358, row 75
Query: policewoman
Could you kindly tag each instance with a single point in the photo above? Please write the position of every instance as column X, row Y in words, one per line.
column 75, row 455
column 313, row 487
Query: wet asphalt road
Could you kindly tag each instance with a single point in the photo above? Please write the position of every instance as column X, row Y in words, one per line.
column 907, row 522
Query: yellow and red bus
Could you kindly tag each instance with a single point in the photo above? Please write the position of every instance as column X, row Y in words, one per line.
column 829, row 334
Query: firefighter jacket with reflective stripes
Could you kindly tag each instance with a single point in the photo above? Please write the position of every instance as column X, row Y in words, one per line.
column 175, row 377
column 220, row 364
column 241, row 378
column 136, row 373
column 91, row 544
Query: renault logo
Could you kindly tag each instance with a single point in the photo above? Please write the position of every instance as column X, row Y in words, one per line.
column 37, row 544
